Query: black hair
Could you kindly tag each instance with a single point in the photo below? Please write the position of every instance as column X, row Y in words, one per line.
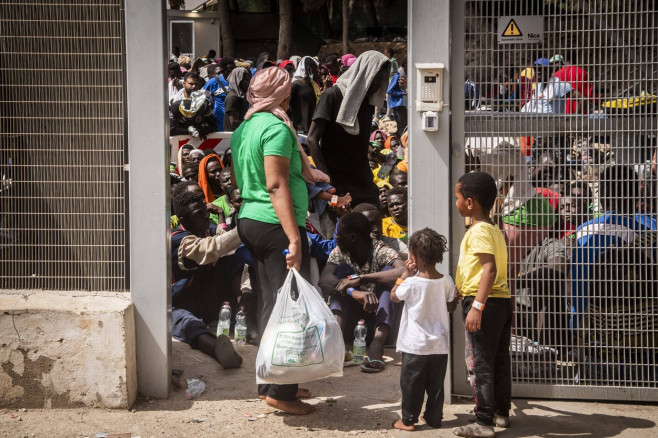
column 330, row 58
column 397, row 191
column 363, row 207
column 227, row 61
column 619, row 189
column 230, row 189
column 479, row 186
column 396, row 172
column 189, row 74
column 173, row 66
column 390, row 50
column 355, row 223
column 192, row 165
column 428, row 245
column 211, row 53
column 182, row 198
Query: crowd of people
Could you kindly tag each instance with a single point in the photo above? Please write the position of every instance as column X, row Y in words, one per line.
column 317, row 167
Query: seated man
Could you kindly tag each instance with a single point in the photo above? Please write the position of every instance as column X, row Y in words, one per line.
column 617, row 226
column 374, row 216
column 396, row 224
column 199, row 269
column 373, row 268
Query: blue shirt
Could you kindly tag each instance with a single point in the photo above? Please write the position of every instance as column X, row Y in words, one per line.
column 592, row 239
column 218, row 86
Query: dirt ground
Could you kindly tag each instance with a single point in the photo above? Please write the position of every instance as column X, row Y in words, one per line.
column 357, row 404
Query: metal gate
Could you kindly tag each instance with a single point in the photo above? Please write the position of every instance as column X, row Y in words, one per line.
column 561, row 109
column 62, row 132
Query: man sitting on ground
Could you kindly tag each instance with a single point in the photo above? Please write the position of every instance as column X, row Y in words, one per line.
column 199, row 269
column 358, row 276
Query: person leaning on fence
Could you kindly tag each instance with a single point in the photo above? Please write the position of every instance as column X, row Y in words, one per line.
column 487, row 306
column 619, row 225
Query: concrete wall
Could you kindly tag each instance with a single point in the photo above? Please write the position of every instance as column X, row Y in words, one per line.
column 65, row 350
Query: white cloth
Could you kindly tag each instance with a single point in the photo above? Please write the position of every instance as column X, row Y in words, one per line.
column 300, row 73
column 507, row 165
column 354, row 84
column 178, row 95
column 548, row 98
column 425, row 323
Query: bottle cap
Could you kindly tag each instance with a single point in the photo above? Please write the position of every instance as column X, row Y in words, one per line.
column 226, row 306
column 362, row 322
column 286, row 252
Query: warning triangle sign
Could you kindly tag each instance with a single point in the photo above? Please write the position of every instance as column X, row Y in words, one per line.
column 512, row 29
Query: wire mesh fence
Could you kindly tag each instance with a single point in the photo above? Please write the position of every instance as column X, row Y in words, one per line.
column 62, row 117
column 567, row 125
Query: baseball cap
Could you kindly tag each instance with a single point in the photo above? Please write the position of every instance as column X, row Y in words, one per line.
column 542, row 61
column 556, row 59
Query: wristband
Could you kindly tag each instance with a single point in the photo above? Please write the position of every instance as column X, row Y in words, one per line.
column 478, row 305
column 223, row 226
column 350, row 290
column 399, row 281
column 334, row 201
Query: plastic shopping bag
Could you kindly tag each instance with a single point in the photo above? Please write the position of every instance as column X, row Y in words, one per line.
column 302, row 340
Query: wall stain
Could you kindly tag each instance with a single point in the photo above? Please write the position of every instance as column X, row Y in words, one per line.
column 34, row 393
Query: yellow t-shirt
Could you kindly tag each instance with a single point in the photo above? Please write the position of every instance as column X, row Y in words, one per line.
column 392, row 229
column 482, row 238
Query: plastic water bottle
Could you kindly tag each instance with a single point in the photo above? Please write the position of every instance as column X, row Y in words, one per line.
column 359, row 348
column 195, row 388
column 224, row 323
column 240, row 327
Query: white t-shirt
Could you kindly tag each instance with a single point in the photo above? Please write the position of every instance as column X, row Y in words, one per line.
column 548, row 98
column 425, row 324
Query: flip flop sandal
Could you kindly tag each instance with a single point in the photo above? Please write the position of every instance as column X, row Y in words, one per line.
column 225, row 353
column 366, row 369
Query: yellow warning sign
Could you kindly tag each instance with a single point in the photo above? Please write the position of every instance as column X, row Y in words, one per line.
column 512, row 29
column 520, row 29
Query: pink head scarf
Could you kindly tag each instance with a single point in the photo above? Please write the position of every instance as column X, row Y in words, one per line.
column 346, row 58
column 269, row 88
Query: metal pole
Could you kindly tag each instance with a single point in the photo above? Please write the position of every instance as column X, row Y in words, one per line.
column 148, row 151
column 429, row 153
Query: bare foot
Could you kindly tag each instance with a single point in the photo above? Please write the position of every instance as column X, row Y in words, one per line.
column 301, row 393
column 304, row 393
column 296, row 407
column 400, row 425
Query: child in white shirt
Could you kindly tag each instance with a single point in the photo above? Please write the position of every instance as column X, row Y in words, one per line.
column 424, row 337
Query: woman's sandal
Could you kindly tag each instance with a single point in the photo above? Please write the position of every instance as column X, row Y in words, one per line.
column 372, row 369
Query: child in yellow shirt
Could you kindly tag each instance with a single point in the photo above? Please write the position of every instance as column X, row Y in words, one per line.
column 481, row 279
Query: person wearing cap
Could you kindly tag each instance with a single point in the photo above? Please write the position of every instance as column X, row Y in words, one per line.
column 550, row 93
column 577, row 77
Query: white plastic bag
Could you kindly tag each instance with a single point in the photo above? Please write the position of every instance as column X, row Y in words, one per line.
column 302, row 340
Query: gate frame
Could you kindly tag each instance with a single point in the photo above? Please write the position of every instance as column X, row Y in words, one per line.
column 509, row 125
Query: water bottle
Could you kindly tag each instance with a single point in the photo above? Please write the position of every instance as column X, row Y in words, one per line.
column 359, row 348
column 195, row 388
column 240, row 327
column 224, row 322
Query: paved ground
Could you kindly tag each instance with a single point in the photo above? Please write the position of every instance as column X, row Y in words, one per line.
column 356, row 404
